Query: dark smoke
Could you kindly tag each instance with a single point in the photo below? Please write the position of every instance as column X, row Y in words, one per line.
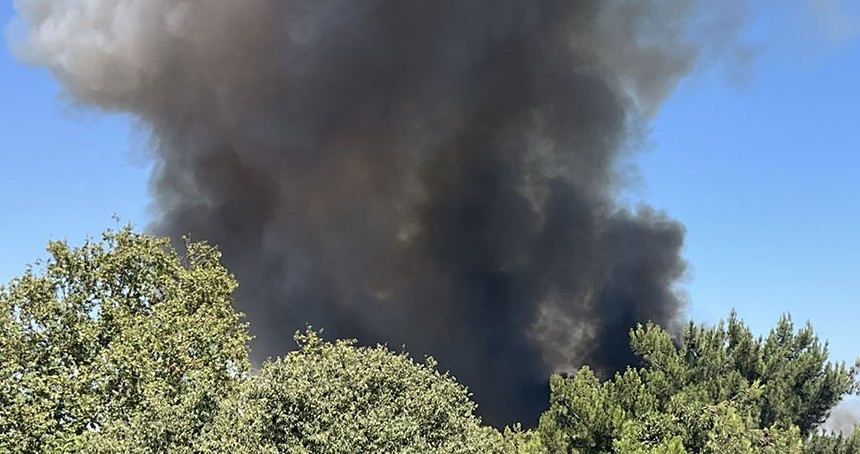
column 441, row 174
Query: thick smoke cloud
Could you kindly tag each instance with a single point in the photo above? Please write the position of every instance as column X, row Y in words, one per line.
column 436, row 174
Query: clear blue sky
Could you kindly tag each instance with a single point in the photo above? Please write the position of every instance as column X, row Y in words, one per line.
column 765, row 175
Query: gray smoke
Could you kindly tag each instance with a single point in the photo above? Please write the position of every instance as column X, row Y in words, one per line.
column 437, row 174
column 844, row 418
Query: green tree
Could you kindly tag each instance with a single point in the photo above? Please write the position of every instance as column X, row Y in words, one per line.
column 799, row 385
column 718, row 390
column 832, row 443
column 120, row 345
column 127, row 346
column 338, row 398
column 519, row 441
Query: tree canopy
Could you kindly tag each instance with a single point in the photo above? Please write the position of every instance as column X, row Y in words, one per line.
column 832, row 443
column 128, row 345
column 717, row 390
column 122, row 345
column 339, row 398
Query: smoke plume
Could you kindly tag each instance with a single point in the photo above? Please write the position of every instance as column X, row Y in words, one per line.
column 436, row 174
column 845, row 417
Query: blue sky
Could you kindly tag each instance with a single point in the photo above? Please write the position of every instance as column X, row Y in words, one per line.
column 764, row 174
column 765, row 177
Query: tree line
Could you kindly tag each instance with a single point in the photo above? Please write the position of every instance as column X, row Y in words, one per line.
column 129, row 345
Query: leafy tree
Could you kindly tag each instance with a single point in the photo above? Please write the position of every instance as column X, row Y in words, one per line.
column 519, row 441
column 833, row 443
column 717, row 390
column 337, row 398
column 127, row 346
column 121, row 345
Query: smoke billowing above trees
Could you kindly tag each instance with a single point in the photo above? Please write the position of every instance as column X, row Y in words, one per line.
column 436, row 174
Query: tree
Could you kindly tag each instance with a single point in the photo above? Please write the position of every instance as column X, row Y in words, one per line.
column 833, row 443
column 799, row 385
column 336, row 397
column 521, row 441
column 127, row 346
column 121, row 345
column 717, row 390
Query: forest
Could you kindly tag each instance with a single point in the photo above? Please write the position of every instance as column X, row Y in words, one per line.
column 130, row 344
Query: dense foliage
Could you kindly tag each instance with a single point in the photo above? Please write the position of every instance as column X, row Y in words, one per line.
column 127, row 346
column 117, row 346
column 720, row 391
column 338, row 398
column 834, row 443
